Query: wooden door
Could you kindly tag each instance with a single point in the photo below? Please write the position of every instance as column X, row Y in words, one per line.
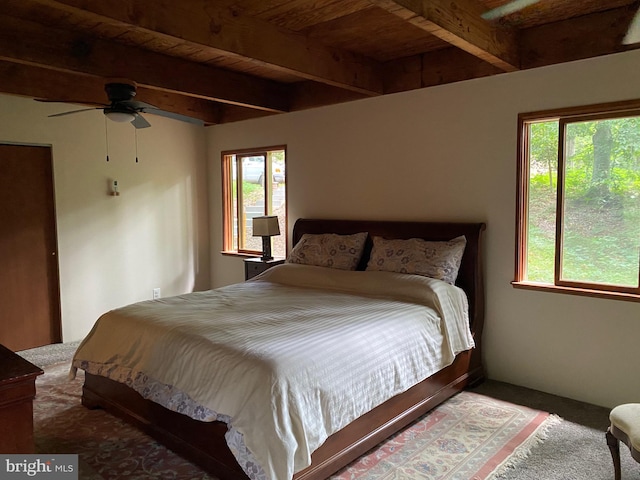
column 29, row 282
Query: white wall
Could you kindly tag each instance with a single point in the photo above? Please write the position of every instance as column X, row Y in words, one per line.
column 115, row 250
column 449, row 153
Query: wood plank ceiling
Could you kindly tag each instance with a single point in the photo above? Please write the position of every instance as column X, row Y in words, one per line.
column 227, row 60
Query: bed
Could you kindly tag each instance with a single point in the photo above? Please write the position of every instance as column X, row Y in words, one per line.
column 204, row 438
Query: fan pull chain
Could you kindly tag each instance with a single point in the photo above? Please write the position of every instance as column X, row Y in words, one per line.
column 106, row 136
column 136, row 133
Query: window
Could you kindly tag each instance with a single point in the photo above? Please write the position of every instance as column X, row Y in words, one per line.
column 578, row 217
column 254, row 184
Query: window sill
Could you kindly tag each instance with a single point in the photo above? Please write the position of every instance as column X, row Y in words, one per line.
column 240, row 254
column 585, row 292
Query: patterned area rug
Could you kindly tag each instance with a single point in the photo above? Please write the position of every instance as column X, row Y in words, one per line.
column 470, row 437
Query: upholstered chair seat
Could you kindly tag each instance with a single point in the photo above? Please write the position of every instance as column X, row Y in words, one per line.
column 625, row 427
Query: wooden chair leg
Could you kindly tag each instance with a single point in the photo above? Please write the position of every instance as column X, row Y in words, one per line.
column 614, row 446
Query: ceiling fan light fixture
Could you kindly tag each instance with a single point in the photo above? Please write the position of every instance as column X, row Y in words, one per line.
column 120, row 117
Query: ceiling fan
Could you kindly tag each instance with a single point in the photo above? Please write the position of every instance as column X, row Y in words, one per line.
column 122, row 108
column 632, row 36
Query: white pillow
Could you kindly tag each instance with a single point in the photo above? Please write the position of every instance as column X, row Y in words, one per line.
column 329, row 250
column 440, row 260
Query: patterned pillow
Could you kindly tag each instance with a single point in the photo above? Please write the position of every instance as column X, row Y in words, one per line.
column 329, row 250
column 440, row 260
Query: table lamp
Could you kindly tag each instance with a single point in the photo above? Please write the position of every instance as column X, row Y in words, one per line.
column 266, row 227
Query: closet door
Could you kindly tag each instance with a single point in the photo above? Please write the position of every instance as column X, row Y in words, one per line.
column 29, row 282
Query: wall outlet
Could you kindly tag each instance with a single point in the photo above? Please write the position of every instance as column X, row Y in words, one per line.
column 156, row 293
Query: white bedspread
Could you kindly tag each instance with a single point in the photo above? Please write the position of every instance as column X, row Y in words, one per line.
column 291, row 356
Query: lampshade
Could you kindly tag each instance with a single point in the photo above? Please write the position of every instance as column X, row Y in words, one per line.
column 266, row 226
column 120, row 117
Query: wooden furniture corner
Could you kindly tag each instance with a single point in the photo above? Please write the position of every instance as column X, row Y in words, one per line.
column 17, row 391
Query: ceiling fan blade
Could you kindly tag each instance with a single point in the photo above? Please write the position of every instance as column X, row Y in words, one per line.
column 79, row 102
column 175, row 116
column 121, row 103
column 73, row 111
column 507, row 8
column 152, row 109
column 633, row 33
column 140, row 122
column 135, row 104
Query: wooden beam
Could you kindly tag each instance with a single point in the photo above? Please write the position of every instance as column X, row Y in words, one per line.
column 30, row 43
column 43, row 83
column 568, row 40
column 226, row 31
column 439, row 67
column 231, row 113
column 459, row 23
column 454, row 65
column 577, row 38
column 305, row 95
column 403, row 74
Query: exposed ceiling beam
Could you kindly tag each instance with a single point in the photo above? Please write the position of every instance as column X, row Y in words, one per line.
column 305, row 95
column 26, row 42
column 577, row 38
column 231, row 113
column 459, row 23
column 447, row 65
column 217, row 26
column 42, row 83
column 40, row 58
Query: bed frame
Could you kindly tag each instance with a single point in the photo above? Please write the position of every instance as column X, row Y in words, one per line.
column 204, row 444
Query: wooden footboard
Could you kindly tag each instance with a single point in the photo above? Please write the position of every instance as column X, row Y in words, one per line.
column 204, row 444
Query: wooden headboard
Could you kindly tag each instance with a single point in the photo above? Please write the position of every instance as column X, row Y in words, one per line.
column 470, row 276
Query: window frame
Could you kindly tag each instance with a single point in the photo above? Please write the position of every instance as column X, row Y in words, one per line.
column 563, row 116
column 229, row 203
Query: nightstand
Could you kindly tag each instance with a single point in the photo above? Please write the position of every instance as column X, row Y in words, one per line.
column 255, row 266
